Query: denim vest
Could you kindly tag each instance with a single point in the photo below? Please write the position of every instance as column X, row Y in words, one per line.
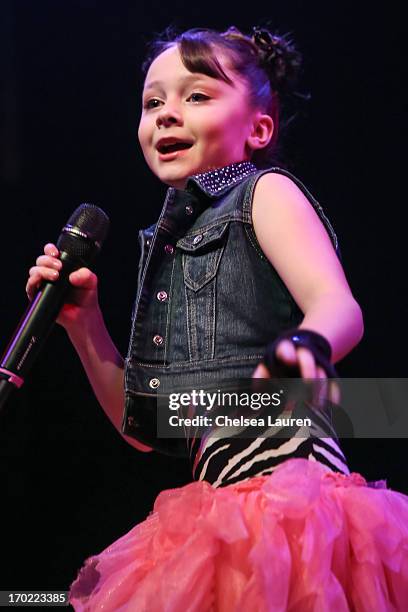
column 208, row 300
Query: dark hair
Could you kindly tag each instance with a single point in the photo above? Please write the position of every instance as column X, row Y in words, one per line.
column 268, row 63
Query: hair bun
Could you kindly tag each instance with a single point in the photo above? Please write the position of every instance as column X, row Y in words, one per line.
column 279, row 58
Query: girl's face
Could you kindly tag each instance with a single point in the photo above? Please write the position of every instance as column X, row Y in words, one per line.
column 191, row 122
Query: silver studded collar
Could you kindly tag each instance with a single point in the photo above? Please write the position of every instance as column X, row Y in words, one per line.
column 214, row 181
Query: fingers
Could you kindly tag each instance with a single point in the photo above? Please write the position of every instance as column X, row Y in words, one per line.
column 327, row 389
column 295, row 357
column 48, row 267
column 261, row 372
column 51, row 249
column 83, row 278
column 300, row 357
column 322, row 391
column 37, row 274
column 286, row 351
column 334, row 392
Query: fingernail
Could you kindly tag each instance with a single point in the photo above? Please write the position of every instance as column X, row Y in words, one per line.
column 282, row 349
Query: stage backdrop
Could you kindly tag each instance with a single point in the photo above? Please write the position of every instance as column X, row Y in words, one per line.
column 69, row 116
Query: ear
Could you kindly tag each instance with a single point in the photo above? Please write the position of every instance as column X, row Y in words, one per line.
column 261, row 131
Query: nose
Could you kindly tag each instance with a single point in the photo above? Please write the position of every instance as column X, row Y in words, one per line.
column 168, row 116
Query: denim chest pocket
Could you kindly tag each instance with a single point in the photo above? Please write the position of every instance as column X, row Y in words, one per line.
column 201, row 255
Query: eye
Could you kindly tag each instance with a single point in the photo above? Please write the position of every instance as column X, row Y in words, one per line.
column 151, row 103
column 197, row 97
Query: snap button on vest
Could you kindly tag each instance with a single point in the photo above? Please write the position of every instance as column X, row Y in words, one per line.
column 162, row 296
column 169, row 248
column 158, row 340
column 154, row 383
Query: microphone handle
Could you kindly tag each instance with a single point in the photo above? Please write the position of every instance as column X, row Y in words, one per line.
column 6, row 387
column 34, row 328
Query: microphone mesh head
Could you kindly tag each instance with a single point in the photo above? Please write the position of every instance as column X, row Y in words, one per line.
column 91, row 220
column 84, row 233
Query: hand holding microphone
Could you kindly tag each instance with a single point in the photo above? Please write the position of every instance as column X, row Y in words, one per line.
column 48, row 287
column 83, row 292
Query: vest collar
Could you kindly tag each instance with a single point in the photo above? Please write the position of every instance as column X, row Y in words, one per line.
column 216, row 182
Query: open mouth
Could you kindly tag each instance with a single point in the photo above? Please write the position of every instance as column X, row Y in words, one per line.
column 175, row 146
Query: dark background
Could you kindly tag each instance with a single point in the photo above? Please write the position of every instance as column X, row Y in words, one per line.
column 71, row 86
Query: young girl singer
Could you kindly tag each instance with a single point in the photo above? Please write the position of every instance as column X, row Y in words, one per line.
column 239, row 278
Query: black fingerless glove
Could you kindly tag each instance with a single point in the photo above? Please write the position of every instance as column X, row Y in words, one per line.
column 317, row 345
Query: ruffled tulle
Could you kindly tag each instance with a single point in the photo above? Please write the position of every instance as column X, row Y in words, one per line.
column 302, row 539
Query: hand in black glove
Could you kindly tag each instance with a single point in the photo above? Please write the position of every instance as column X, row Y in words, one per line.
column 299, row 353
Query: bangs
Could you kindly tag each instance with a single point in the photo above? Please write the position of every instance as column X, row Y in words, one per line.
column 198, row 55
column 196, row 49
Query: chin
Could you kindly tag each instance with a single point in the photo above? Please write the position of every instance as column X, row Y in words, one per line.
column 175, row 179
column 172, row 179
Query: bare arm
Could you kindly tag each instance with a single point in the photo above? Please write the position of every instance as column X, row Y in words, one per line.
column 338, row 318
column 104, row 367
column 295, row 241
column 83, row 321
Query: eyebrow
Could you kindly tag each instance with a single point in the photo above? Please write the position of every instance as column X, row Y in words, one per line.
column 194, row 76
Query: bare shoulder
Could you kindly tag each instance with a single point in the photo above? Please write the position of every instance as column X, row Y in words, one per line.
column 280, row 208
column 275, row 190
column 295, row 240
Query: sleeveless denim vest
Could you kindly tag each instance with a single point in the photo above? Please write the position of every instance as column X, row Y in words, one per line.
column 208, row 300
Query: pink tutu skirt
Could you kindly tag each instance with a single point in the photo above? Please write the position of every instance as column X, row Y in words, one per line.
column 302, row 539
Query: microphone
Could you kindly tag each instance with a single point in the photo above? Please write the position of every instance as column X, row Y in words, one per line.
column 79, row 242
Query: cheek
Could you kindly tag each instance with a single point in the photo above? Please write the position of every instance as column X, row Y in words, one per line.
column 143, row 133
column 212, row 129
column 225, row 124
